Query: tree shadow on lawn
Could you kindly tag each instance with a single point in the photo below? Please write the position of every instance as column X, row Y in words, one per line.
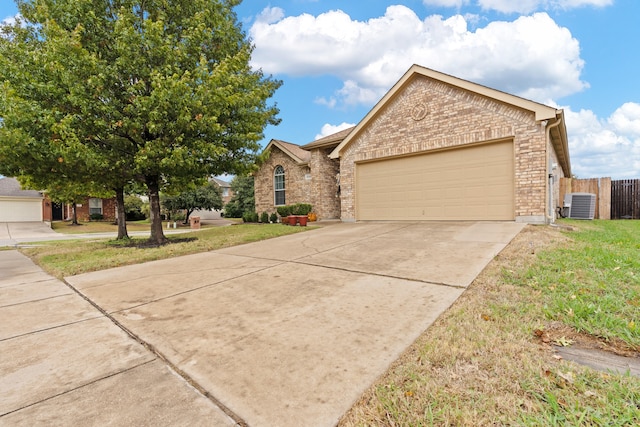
column 146, row 244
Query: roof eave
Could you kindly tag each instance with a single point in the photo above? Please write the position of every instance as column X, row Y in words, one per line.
column 561, row 144
column 285, row 150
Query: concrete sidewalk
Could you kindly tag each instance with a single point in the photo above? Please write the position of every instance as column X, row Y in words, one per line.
column 62, row 362
column 283, row 332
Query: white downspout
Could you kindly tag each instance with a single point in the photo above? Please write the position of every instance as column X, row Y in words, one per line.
column 551, row 212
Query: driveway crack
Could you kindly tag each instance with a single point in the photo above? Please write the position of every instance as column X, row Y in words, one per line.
column 153, row 350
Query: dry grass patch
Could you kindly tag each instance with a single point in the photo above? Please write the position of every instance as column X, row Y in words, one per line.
column 481, row 363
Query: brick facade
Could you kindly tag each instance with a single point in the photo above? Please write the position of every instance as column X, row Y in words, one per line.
column 313, row 182
column 324, row 184
column 454, row 118
column 424, row 114
column 82, row 210
column 297, row 189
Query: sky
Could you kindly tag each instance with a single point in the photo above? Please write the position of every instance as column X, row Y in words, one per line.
column 336, row 59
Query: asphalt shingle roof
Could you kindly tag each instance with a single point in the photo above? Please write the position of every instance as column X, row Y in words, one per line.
column 10, row 187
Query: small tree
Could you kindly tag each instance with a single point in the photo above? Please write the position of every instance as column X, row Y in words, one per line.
column 206, row 197
column 133, row 207
column 243, row 199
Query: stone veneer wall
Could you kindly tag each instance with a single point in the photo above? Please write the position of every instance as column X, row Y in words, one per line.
column 297, row 187
column 429, row 115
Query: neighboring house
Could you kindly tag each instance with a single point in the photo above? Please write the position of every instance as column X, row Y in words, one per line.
column 93, row 205
column 18, row 205
column 226, row 193
column 225, row 189
column 435, row 147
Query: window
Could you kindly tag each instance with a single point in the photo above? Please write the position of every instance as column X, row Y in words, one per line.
column 95, row 206
column 225, row 192
column 278, row 185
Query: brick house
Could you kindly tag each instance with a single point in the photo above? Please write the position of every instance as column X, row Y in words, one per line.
column 225, row 189
column 18, row 205
column 93, row 205
column 435, row 147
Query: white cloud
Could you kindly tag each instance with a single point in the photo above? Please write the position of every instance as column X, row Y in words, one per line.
column 10, row 20
column 329, row 129
column 626, row 119
column 269, row 15
column 331, row 102
column 609, row 147
column 531, row 56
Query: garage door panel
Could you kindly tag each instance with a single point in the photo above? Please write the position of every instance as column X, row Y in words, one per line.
column 473, row 183
column 17, row 210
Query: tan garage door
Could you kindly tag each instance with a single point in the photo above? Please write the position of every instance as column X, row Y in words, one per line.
column 473, row 183
column 19, row 210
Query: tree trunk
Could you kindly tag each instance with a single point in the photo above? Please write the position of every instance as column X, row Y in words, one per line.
column 188, row 214
column 121, row 216
column 74, row 213
column 153, row 187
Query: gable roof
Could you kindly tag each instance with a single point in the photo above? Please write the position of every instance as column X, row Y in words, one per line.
column 542, row 112
column 221, row 183
column 294, row 151
column 329, row 140
column 10, row 187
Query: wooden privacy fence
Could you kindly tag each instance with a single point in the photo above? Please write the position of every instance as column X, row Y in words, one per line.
column 625, row 199
column 618, row 199
column 601, row 187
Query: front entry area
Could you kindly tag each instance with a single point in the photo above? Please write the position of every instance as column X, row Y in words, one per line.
column 472, row 183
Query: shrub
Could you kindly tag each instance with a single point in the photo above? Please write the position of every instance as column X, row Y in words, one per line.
column 273, row 218
column 301, row 209
column 284, row 211
column 250, row 216
column 133, row 208
column 96, row 217
column 264, row 218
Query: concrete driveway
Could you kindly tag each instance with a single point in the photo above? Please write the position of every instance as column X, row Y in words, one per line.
column 292, row 330
column 13, row 232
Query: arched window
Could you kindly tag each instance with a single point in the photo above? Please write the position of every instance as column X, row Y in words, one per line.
column 278, row 186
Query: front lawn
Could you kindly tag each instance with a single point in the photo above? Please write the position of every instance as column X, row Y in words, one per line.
column 65, row 227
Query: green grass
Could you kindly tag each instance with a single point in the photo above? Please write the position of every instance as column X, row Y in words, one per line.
column 65, row 227
column 594, row 284
column 483, row 363
column 65, row 258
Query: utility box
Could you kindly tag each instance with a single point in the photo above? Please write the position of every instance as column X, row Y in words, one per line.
column 580, row 205
column 194, row 222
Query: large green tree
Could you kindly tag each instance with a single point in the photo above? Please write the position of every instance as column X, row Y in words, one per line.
column 44, row 140
column 160, row 92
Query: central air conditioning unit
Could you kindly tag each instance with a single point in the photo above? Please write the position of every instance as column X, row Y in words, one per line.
column 580, row 205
